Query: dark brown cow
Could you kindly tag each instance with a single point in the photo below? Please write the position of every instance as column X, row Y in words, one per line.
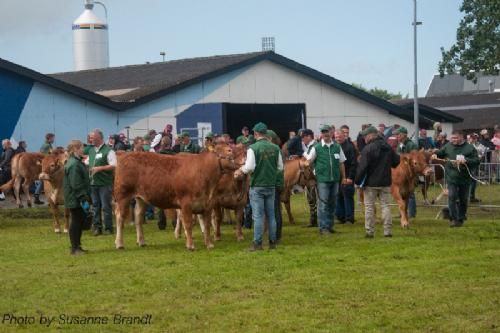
column 53, row 177
column 186, row 181
column 26, row 168
column 403, row 180
column 297, row 172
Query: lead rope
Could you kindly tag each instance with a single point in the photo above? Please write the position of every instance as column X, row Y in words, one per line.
column 467, row 168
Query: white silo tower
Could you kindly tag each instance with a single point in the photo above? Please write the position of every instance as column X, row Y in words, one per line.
column 90, row 40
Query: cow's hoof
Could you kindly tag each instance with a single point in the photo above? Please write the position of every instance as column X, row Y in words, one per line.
column 29, row 204
column 65, row 231
column 240, row 238
column 190, row 249
column 217, row 238
column 57, row 231
column 120, row 247
column 141, row 244
column 210, row 246
column 20, row 206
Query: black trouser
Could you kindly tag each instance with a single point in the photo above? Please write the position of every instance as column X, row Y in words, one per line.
column 277, row 213
column 312, row 202
column 75, row 227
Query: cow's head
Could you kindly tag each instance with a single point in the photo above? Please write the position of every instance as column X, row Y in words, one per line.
column 419, row 163
column 229, row 157
column 52, row 164
column 306, row 173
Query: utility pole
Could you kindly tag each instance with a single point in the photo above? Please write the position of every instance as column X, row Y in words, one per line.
column 415, row 89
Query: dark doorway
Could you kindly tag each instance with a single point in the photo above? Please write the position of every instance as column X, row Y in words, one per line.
column 281, row 118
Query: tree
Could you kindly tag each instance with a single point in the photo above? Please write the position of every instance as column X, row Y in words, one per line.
column 381, row 93
column 478, row 41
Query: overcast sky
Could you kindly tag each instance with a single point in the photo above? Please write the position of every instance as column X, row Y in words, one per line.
column 357, row 41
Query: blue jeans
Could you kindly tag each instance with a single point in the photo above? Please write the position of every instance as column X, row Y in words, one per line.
column 412, row 205
column 345, row 203
column 101, row 200
column 262, row 201
column 38, row 187
column 327, row 196
column 458, row 197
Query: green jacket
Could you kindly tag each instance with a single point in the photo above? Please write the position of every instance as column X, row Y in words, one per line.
column 453, row 174
column 46, row 148
column 76, row 183
column 327, row 162
column 87, row 148
column 266, row 164
column 407, row 146
column 192, row 148
column 100, row 158
column 245, row 139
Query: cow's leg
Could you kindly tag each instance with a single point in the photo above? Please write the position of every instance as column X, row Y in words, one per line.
column 217, row 219
column 140, row 207
column 67, row 213
column 239, row 218
column 121, row 209
column 289, row 212
column 26, row 190
column 178, row 225
column 187, row 222
column 207, row 224
column 405, row 221
column 201, row 222
column 17, row 190
column 55, row 216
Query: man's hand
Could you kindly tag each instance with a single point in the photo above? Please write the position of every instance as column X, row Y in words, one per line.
column 346, row 181
column 238, row 173
column 95, row 170
column 434, row 157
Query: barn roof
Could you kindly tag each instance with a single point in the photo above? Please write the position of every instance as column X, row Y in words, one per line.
column 58, row 84
column 124, row 87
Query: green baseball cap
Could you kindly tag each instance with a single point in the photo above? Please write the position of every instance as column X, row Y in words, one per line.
column 209, row 135
column 402, row 130
column 325, row 128
column 184, row 134
column 260, row 128
column 271, row 134
column 369, row 130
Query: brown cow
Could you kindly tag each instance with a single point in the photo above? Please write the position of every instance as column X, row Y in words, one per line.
column 26, row 168
column 187, row 182
column 403, row 180
column 53, row 176
column 297, row 171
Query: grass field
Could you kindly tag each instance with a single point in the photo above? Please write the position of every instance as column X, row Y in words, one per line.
column 429, row 278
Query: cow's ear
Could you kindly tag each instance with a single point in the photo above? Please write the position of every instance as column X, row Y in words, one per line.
column 422, row 149
column 404, row 159
column 38, row 162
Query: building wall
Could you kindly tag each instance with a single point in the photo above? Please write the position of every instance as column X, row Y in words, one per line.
column 67, row 116
column 264, row 82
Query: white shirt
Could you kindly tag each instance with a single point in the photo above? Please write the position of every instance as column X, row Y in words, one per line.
column 312, row 154
column 156, row 141
column 250, row 162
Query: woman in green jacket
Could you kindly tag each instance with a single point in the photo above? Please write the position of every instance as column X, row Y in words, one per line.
column 76, row 194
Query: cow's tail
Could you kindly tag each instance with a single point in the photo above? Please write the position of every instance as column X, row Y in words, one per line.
column 7, row 186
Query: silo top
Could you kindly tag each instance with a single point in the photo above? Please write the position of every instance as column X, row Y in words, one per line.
column 89, row 20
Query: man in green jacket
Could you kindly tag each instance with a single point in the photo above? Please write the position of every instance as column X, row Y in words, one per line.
column 76, row 194
column 329, row 170
column 405, row 146
column 102, row 162
column 264, row 161
column 461, row 158
column 187, row 145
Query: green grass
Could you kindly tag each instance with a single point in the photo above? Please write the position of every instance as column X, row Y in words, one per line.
column 429, row 278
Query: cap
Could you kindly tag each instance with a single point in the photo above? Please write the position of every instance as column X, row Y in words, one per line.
column 147, row 137
column 260, row 128
column 184, row 134
column 271, row 134
column 325, row 128
column 401, row 130
column 307, row 131
column 209, row 135
column 369, row 130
